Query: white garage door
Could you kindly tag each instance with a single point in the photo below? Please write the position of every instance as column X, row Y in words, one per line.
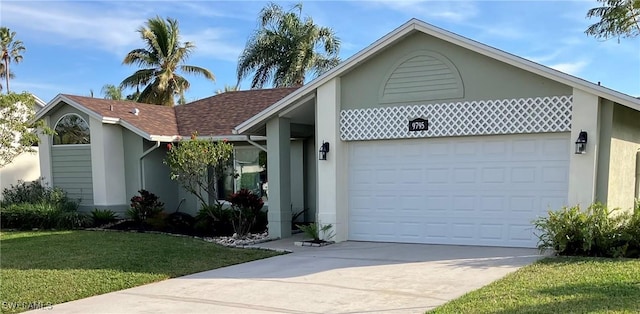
column 481, row 190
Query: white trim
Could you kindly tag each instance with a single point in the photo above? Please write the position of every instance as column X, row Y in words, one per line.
column 69, row 146
column 417, row 25
column 232, row 138
column 62, row 98
column 105, row 120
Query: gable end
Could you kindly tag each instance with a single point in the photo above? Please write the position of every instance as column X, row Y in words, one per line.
column 422, row 75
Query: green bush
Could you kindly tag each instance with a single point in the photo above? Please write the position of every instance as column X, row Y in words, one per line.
column 72, row 220
column 29, row 205
column 596, row 231
column 33, row 192
column 214, row 220
column 180, row 223
column 25, row 216
column 101, row 217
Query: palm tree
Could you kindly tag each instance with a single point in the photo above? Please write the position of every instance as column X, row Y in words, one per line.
column 163, row 55
column 617, row 18
column 3, row 74
column 228, row 88
column 12, row 50
column 285, row 47
column 112, row 92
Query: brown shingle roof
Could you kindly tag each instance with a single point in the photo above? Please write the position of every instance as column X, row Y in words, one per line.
column 151, row 119
column 219, row 114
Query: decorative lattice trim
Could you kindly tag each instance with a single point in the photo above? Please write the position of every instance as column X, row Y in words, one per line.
column 484, row 117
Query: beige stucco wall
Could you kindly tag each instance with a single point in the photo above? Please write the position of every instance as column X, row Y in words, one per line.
column 625, row 144
column 483, row 78
column 25, row 167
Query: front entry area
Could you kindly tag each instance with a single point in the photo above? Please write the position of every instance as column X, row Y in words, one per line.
column 472, row 190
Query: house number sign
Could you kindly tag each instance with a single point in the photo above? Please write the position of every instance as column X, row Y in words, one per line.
column 418, row 124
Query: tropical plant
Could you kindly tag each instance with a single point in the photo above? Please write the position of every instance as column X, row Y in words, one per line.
column 228, row 88
column 317, row 232
column 17, row 134
column 245, row 207
column 144, row 206
column 596, row 231
column 3, row 74
column 160, row 60
column 617, row 18
column 12, row 50
column 286, row 47
column 214, row 219
column 112, row 92
column 190, row 163
column 101, row 217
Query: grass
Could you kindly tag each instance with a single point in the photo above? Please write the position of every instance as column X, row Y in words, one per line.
column 559, row 285
column 42, row 268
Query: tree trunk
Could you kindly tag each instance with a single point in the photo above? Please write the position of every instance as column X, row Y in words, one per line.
column 6, row 73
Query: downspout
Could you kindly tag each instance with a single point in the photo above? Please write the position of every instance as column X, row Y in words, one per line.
column 262, row 148
column 144, row 154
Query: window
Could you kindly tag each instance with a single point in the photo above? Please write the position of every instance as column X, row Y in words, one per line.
column 247, row 171
column 71, row 129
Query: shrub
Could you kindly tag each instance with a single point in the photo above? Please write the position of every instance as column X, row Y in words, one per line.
column 214, row 220
column 101, row 217
column 144, row 206
column 72, row 220
column 30, row 205
column 180, row 223
column 245, row 208
column 596, row 231
column 25, row 216
column 313, row 231
column 33, row 192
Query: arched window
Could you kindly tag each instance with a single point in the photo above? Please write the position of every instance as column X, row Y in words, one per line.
column 71, row 129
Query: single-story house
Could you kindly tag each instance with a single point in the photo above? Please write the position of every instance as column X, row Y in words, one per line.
column 426, row 136
column 24, row 167
column 106, row 150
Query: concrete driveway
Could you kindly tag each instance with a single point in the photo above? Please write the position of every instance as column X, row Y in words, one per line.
column 349, row 277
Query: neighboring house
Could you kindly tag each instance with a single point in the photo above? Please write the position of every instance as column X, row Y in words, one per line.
column 25, row 167
column 105, row 150
column 436, row 138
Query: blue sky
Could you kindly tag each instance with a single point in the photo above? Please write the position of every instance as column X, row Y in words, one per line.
column 76, row 46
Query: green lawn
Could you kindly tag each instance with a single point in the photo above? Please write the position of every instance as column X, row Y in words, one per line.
column 559, row 285
column 54, row 267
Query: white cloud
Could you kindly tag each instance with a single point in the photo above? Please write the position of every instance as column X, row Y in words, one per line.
column 214, row 43
column 453, row 11
column 73, row 24
column 572, row 68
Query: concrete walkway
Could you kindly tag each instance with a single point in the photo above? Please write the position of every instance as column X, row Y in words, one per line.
column 348, row 277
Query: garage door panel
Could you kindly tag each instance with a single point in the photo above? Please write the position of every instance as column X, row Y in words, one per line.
column 481, row 190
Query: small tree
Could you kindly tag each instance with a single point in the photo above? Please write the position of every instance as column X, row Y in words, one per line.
column 16, row 129
column 190, row 162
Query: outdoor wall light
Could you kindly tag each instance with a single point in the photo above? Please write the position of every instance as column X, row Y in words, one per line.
column 324, row 149
column 581, row 143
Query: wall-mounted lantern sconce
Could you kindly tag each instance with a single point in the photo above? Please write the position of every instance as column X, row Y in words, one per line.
column 324, row 149
column 581, row 143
